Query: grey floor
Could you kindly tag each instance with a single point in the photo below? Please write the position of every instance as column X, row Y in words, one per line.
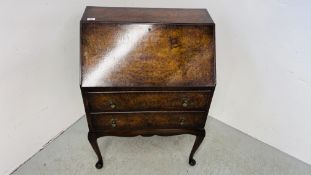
column 225, row 151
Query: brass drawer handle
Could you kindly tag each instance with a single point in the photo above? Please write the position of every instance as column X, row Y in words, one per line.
column 113, row 123
column 185, row 102
column 181, row 121
column 112, row 105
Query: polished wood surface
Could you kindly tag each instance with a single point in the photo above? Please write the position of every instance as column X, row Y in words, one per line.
column 146, row 72
column 146, row 15
column 143, row 55
column 149, row 101
column 148, row 120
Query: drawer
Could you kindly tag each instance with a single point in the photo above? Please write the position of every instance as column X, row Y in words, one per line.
column 149, row 101
column 148, row 120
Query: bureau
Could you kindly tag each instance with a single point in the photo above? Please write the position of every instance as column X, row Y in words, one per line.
column 146, row 71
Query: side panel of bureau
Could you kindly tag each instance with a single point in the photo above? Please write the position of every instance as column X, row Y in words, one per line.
column 148, row 120
column 149, row 101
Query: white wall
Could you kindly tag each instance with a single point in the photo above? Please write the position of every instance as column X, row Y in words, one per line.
column 39, row 88
column 263, row 61
column 264, row 71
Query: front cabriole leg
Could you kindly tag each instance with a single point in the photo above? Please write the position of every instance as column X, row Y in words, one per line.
column 92, row 137
column 198, row 140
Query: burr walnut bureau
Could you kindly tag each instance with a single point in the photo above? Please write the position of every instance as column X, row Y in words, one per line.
column 146, row 71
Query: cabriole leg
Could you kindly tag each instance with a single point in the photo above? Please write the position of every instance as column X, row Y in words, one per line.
column 198, row 140
column 93, row 141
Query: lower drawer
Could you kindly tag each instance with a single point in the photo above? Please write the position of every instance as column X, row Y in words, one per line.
column 148, row 120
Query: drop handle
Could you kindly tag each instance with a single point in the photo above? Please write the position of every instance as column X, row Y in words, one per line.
column 113, row 123
column 185, row 102
column 112, row 105
column 181, row 121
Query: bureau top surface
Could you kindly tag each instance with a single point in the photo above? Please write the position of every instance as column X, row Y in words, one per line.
column 146, row 15
column 146, row 54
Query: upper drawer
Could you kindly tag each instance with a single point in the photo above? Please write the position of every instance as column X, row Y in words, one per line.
column 148, row 101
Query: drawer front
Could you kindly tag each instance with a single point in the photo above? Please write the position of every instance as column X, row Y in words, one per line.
column 149, row 101
column 152, row 120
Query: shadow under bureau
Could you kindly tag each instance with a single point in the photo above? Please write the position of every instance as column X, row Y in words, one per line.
column 146, row 71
